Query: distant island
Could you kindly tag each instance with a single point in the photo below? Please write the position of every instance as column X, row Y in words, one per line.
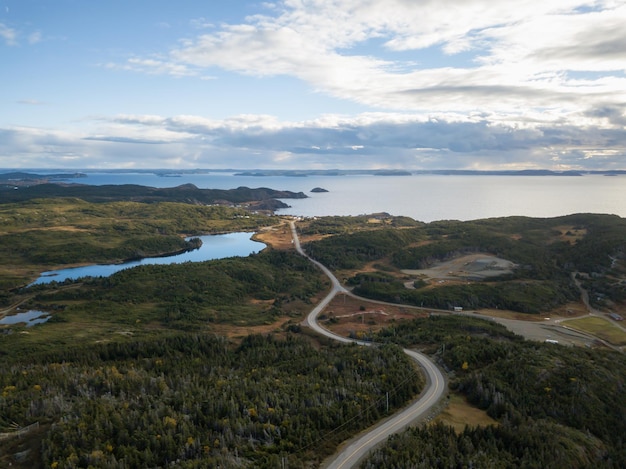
column 324, row 172
column 319, row 189
column 42, row 174
column 408, row 172
column 21, row 178
column 524, row 172
column 257, row 199
column 393, row 172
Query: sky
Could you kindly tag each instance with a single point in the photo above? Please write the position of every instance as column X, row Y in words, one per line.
column 313, row 84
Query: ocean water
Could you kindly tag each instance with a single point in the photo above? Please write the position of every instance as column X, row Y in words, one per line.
column 422, row 197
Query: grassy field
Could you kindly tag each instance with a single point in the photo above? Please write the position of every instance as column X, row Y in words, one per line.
column 600, row 328
column 459, row 413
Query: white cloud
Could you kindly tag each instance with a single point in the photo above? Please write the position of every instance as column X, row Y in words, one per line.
column 390, row 140
column 456, row 83
column 8, row 34
column 524, row 52
column 153, row 66
column 592, row 41
column 11, row 36
column 35, row 37
column 31, row 102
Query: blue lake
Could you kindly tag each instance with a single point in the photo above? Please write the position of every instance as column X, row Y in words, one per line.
column 213, row 247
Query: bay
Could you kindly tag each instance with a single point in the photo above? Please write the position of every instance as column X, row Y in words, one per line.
column 437, row 197
column 213, row 247
column 423, row 197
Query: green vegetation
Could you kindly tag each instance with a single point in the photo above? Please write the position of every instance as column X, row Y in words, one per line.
column 356, row 249
column 251, row 291
column 41, row 234
column 525, row 297
column 135, row 370
column 345, row 225
column 546, row 251
column 186, row 193
column 539, row 445
column 556, row 406
column 599, row 327
column 200, row 401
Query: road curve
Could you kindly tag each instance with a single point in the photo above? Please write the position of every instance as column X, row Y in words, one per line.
column 355, row 451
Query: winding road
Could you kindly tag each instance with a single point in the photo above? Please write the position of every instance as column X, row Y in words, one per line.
column 351, row 454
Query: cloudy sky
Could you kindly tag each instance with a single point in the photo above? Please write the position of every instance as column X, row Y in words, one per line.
column 413, row 84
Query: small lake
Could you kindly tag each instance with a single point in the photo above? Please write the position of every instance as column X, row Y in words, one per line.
column 213, row 247
column 31, row 318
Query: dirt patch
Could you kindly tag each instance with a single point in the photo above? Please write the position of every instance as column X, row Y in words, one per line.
column 346, row 315
column 479, row 266
column 255, row 301
column 279, row 236
column 507, row 314
column 276, row 236
column 236, row 332
column 311, row 238
column 568, row 310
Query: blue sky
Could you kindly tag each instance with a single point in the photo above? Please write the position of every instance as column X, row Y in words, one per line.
column 430, row 84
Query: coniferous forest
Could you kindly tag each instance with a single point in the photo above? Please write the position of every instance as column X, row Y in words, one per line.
column 200, row 401
column 208, row 364
column 555, row 406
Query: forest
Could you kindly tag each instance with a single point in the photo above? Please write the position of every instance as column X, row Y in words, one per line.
column 547, row 252
column 186, row 193
column 200, row 401
column 555, row 406
column 207, row 364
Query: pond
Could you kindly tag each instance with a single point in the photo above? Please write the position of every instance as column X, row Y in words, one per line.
column 213, row 247
column 30, row 317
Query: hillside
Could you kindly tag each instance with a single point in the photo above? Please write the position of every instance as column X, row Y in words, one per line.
column 207, row 364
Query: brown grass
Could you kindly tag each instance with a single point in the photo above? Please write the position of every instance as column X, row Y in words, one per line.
column 276, row 236
column 460, row 413
column 569, row 234
column 236, row 332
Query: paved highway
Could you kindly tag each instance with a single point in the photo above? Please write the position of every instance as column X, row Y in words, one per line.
column 351, row 454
